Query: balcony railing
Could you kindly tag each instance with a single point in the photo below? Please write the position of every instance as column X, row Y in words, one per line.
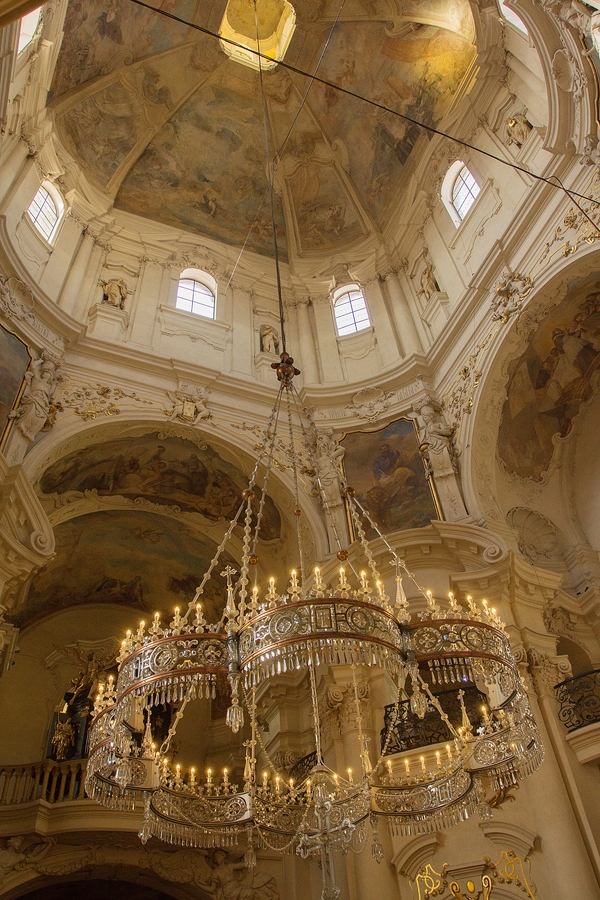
column 50, row 781
column 409, row 732
column 579, row 700
column 302, row 768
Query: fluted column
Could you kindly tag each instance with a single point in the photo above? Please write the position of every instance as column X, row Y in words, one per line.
column 386, row 333
column 71, row 289
column 331, row 367
column 147, row 298
column 306, row 340
column 403, row 316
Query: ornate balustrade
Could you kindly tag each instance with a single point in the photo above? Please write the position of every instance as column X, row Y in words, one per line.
column 48, row 780
column 302, row 767
column 579, row 700
column 409, row 732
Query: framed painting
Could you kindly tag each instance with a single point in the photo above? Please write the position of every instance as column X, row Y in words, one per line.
column 386, row 470
column 14, row 362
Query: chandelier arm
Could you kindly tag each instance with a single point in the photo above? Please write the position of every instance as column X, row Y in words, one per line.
column 270, row 435
column 213, row 562
column 364, row 542
column 315, row 707
column 315, row 468
column 173, row 728
column 363, row 740
column 297, row 510
column 401, row 562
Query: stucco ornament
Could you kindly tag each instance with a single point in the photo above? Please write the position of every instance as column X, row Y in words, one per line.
column 511, row 291
column 34, row 412
column 269, row 340
column 369, row 404
column 328, row 458
column 440, row 457
column 189, row 405
column 428, row 282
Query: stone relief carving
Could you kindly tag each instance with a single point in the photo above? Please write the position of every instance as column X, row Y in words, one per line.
column 231, row 880
column 90, row 401
column 567, row 74
column 536, row 535
column 518, row 128
column 36, row 411
column 591, row 152
column 547, row 671
column 115, row 292
column 269, row 340
column 22, row 852
column 558, row 620
column 189, row 404
column 328, row 455
column 369, row 403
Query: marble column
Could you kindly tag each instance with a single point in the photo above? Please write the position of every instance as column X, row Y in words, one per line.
column 403, row 315
column 71, row 288
column 388, row 339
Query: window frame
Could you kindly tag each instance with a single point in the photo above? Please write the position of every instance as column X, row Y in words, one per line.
column 59, row 207
column 346, row 291
column 448, row 191
column 33, row 34
column 513, row 18
column 208, row 286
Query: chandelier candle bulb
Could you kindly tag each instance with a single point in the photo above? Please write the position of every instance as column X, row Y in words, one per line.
column 277, row 785
column 225, row 777
column 265, row 779
column 350, row 776
column 209, row 776
column 407, row 766
column 438, row 759
column 422, row 764
column 192, row 776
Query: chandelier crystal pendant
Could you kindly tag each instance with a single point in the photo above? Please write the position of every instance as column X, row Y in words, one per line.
column 262, row 635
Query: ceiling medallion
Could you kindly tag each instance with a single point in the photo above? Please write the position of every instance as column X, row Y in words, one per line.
column 309, row 625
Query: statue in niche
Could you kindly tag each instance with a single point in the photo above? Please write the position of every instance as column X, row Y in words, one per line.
column 517, row 128
column 63, row 739
column 429, row 285
column 35, row 411
column 231, row 880
column 269, row 340
column 433, row 431
column 189, row 407
column 115, row 292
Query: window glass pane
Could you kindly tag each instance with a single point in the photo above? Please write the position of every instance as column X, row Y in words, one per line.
column 464, row 192
column 43, row 213
column 512, row 17
column 351, row 313
column 29, row 24
column 195, row 297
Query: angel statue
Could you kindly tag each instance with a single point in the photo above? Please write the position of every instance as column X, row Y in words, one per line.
column 115, row 292
column 189, row 407
column 63, row 739
column 231, row 880
column 34, row 412
column 22, row 852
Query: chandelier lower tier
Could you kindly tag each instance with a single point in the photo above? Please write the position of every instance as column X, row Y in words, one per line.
column 309, row 628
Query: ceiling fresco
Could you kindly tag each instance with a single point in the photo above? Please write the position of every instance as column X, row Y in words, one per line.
column 139, row 560
column 171, row 471
column 172, row 129
column 549, row 382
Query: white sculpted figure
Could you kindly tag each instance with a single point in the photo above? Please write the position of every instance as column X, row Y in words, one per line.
column 269, row 340
column 436, row 434
column 429, row 285
column 115, row 292
column 328, row 458
column 34, row 411
column 232, row 881
column 518, row 129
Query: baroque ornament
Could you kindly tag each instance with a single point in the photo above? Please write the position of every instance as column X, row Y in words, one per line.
column 309, row 625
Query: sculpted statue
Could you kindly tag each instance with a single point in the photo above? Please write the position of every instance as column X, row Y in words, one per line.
column 510, row 293
column 20, row 852
column 269, row 340
column 63, row 739
column 232, row 881
column 328, row 457
column 188, row 407
column 34, row 411
column 433, row 432
column 115, row 292
column 518, row 128
column 429, row 285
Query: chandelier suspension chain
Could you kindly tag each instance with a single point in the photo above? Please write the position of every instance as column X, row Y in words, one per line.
column 337, row 87
column 297, row 510
column 270, row 178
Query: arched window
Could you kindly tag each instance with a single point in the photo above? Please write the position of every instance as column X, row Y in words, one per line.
column 46, row 210
column 196, row 293
column 29, row 26
column 459, row 191
column 350, row 310
column 511, row 17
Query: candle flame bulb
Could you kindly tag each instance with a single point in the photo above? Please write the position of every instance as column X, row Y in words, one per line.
column 438, row 759
column 350, row 775
column 209, row 776
column 422, row 763
column 449, row 752
column 407, row 765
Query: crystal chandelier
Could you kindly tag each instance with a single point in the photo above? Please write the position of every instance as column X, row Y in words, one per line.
column 310, row 625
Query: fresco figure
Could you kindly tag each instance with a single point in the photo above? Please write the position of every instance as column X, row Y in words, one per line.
column 550, row 381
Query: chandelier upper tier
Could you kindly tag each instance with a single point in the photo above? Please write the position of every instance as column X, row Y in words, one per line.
column 266, row 632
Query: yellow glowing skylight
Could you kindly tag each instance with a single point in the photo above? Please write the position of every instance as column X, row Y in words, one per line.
column 276, row 24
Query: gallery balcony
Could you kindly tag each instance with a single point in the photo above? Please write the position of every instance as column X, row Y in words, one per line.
column 410, row 733
column 48, row 798
column 579, row 712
